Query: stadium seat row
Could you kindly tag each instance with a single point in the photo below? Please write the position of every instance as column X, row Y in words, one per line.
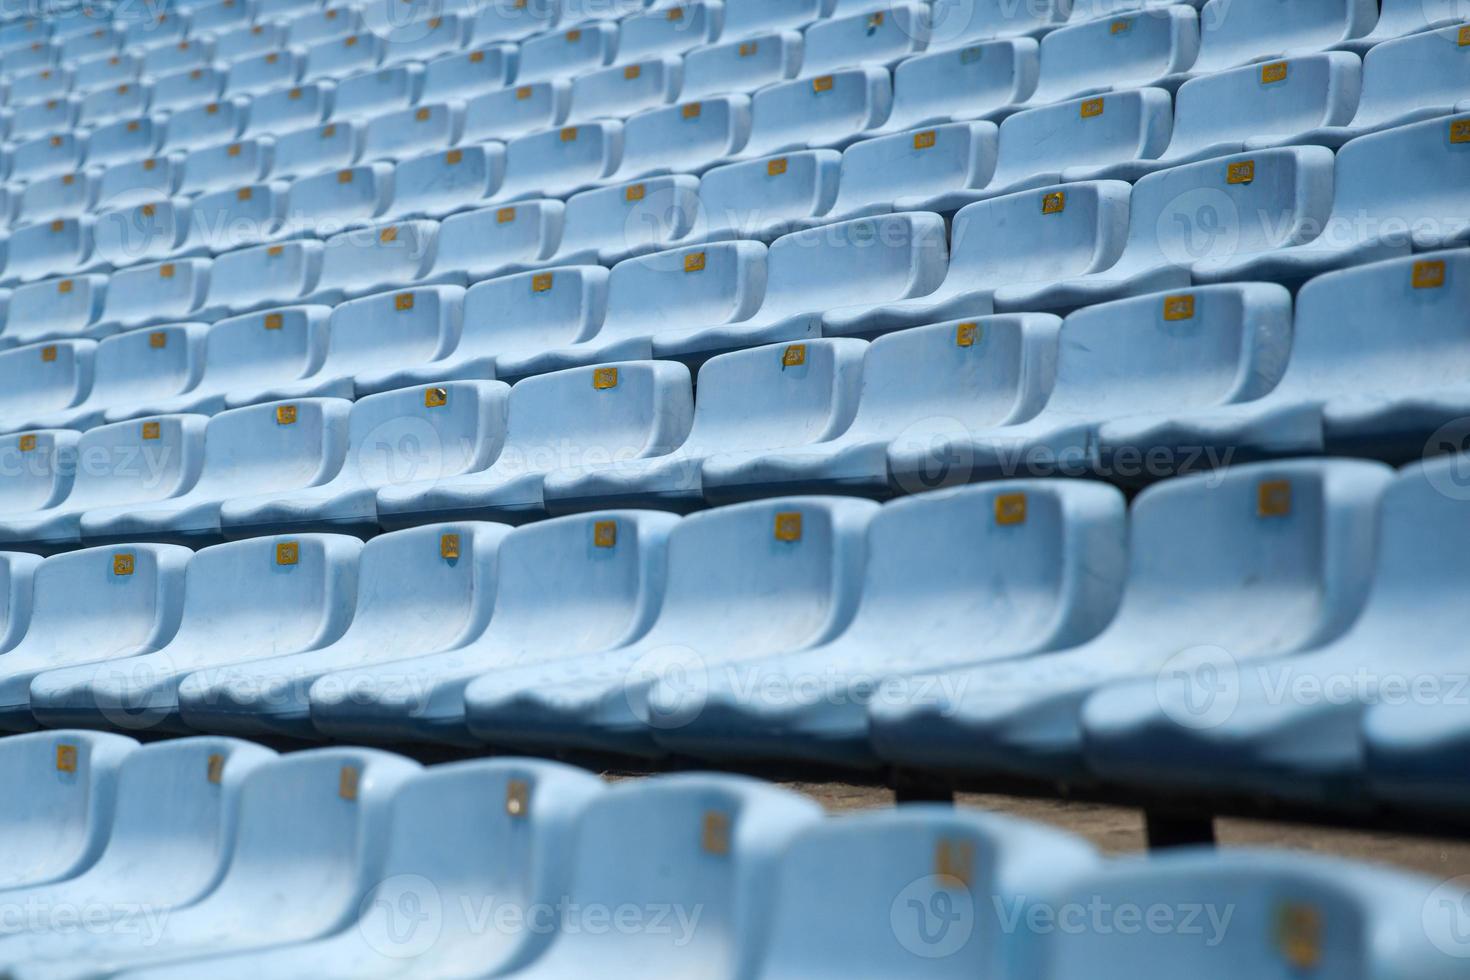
column 351, row 862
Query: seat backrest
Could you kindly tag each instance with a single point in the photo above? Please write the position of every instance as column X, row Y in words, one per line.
column 265, row 35
column 151, row 177
column 188, row 86
column 1277, row 99
column 739, row 198
column 265, row 274
column 651, row 213
column 144, row 232
column 1134, row 124
column 446, row 181
column 140, row 365
column 263, row 72
column 968, row 20
column 275, row 446
column 286, row 110
column 555, row 159
column 54, row 308
column 390, row 135
column 658, row 33
column 137, row 461
column 534, row 311
column 511, row 22
column 1409, row 74
column 759, row 16
column 462, row 74
column 316, row 149
column 684, row 288
column 739, row 66
column 261, row 349
column 151, row 293
column 1234, row 33
column 1426, row 159
column 420, row 39
column 965, row 82
column 481, row 242
column 1049, row 234
column 873, row 37
column 324, row 204
column 226, row 165
column 399, row 252
column 943, row 158
column 685, row 136
column 426, row 433
column 379, row 91
column 47, row 155
column 341, row 57
column 860, row 892
column 566, row 53
column 621, row 90
column 44, row 377
column 1117, row 52
column 784, row 115
column 312, row 26
column 213, row 122
column 17, row 573
column 507, row 113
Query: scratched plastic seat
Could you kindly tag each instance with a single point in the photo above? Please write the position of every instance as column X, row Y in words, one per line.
column 828, row 111
column 371, row 93
column 420, row 591
column 247, row 451
column 463, row 75
column 741, row 66
column 490, row 242
column 684, row 138
column 567, row 53
column 876, row 37
column 808, row 550
column 368, row 260
column 1306, row 746
column 1268, row 523
column 762, row 200
column 506, row 113
column 637, row 408
column 875, row 261
column 1234, row 34
column 91, row 607
column 970, row 375
column 512, row 813
column 611, row 224
column 260, row 277
column 59, row 826
column 610, row 562
column 620, row 91
column 313, row 822
column 561, row 162
column 40, row 379
column 1050, row 552
column 1294, row 913
column 247, row 356
column 443, row 182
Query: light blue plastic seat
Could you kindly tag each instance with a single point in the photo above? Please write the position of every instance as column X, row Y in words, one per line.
column 343, row 57
column 1288, row 914
column 917, row 384
column 619, row 91
column 35, row 56
column 967, row 83
column 370, row 93
column 504, row 114
column 168, row 292
column 53, row 115
column 669, row 30
column 783, row 396
column 225, row 166
column 609, row 567
column 300, row 597
column 1050, row 234
column 807, row 550
column 123, row 140
column 420, row 591
column 861, row 891
column 743, row 66
column 568, row 418
column 314, row 25
column 263, row 276
column 875, row 261
column 187, row 87
column 96, row 43
column 463, row 75
column 263, row 36
column 47, row 156
column 43, row 465
column 443, row 182
column 1190, row 220
column 93, row 607
column 40, row 379
column 206, row 125
column 368, row 260
column 1305, row 745
column 762, row 200
column 509, row 318
column 126, row 101
column 263, row 72
column 828, row 111
column 59, row 826
column 1399, row 18
column 53, row 308
column 316, row 823
column 316, row 150
column 561, row 162
column 134, row 367
column 759, row 16
column 148, row 178
column 219, row 18
column 514, row 21
column 324, row 204
column 489, row 242
column 975, row 20
column 244, row 358
column 17, row 596
column 1199, row 354
column 401, row 133
column 684, row 139
column 147, row 232
column 876, row 37
column 174, row 811
column 1132, row 50
column 286, row 110
column 1411, row 748
column 922, row 170
column 1234, row 34
column 247, row 451
column 419, row 40
column 275, row 10
column 510, row 834
column 31, row 91
column 564, row 54
column 1267, row 524
column 610, row 224
column 994, row 573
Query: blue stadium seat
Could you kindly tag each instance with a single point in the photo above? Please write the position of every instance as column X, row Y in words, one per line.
column 135, row 233
column 765, row 199
column 286, row 110
column 43, row 464
column 619, row 91
column 226, row 166
column 1288, row 913
column 149, row 178
column 174, row 812
column 54, row 115
column 17, row 575
column 418, row 40
column 759, row 16
column 877, row 261
column 667, row 30
column 917, row 384
column 206, row 125
column 263, row 72
column 561, row 162
column 245, row 357
column 507, row 318
column 327, row 203
column 442, row 182
column 96, row 43
column 1237, row 335
column 47, row 156
column 219, row 18
column 489, row 242
column 401, row 133
column 1047, row 552
column 861, row 891
column 1234, row 34
column 462, row 76
column 43, row 378
column 315, row 150
column 59, row 827
column 877, row 37
column 123, row 140
column 741, row 66
column 1399, row 18
column 976, row 20
column 1305, row 745
column 313, row 823
column 1267, row 524
column 312, row 26
column 420, row 591
column 266, row 35
column 812, row 113
column 263, row 276
column 808, row 550
column 783, row 396
column 372, row 92
column 924, row 170
column 684, row 138
column 247, row 451
column 637, row 408
column 53, row 308
column 580, row 49
column 91, row 607
column 1108, row 54
column 507, row 113
column 369, row 260
column 949, row 85
column 514, row 21
column 610, row 562
column 132, row 368
column 611, row 224
column 343, row 57
column 186, row 88
column 129, row 100
column 169, row 292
